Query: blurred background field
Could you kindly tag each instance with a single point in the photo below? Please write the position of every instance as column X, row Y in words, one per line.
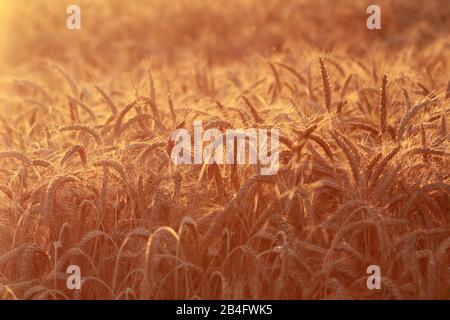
column 114, row 31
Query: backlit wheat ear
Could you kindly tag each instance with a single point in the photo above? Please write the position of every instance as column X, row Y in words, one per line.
column 67, row 77
column 26, row 161
column 150, row 149
column 75, row 149
column 336, row 65
column 152, row 94
column 287, row 142
column 443, row 126
column 121, row 115
column 408, row 117
column 383, row 107
column 116, row 165
column 323, row 144
column 42, row 163
column 73, row 109
column 151, row 87
column 350, row 155
column 49, row 200
column 252, row 109
column 17, row 155
column 108, row 100
column 85, row 128
column 380, row 166
column 371, row 165
column 326, row 84
column 37, row 87
column 300, row 78
column 305, row 134
column 136, row 119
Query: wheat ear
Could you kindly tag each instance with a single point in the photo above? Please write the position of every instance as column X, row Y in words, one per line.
column 326, row 84
column 382, row 107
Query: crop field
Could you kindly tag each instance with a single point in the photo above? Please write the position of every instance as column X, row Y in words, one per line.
column 88, row 178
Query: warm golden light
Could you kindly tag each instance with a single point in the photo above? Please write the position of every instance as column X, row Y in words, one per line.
column 5, row 13
column 227, row 149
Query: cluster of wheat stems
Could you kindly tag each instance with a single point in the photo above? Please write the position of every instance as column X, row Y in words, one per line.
column 363, row 180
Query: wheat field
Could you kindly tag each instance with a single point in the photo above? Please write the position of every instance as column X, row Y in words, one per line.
column 86, row 177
